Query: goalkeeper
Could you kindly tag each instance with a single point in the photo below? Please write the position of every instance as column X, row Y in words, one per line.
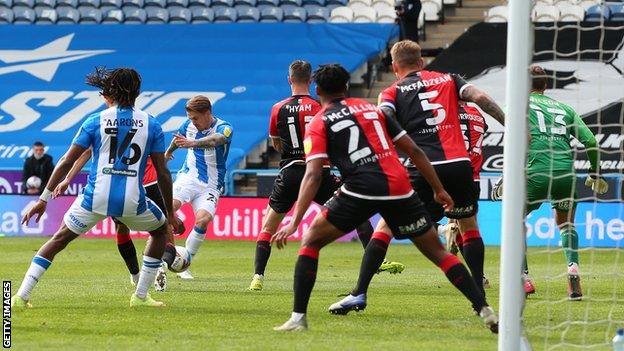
column 550, row 167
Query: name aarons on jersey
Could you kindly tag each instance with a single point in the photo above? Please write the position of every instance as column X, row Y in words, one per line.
column 425, row 83
column 124, row 123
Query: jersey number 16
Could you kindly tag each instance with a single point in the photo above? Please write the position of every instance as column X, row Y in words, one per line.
column 118, row 151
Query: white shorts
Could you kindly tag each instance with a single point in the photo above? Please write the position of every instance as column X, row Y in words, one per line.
column 200, row 195
column 80, row 220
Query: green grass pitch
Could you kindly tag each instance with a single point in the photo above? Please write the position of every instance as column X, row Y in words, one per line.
column 82, row 302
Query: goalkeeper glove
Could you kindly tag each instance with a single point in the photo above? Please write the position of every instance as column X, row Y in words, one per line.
column 597, row 184
column 497, row 190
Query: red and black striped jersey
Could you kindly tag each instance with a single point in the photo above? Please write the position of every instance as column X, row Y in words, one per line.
column 150, row 177
column 426, row 105
column 473, row 127
column 358, row 140
column 288, row 121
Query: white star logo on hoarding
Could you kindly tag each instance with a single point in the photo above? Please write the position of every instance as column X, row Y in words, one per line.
column 44, row 61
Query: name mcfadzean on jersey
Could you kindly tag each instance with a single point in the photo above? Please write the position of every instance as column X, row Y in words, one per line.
column 425, row 83
column 124, row 123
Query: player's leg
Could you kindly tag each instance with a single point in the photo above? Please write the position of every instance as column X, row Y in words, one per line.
column 537, row 192
column 126, row 249
column 77, row 221
column 160, row 283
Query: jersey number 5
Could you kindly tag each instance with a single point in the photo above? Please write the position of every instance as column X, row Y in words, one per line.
column 440, row 114
column 116, row 152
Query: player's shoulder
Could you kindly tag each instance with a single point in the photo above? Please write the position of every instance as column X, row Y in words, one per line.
column 278, row 105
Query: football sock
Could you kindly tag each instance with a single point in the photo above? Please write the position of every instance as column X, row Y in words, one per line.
column 569, row 242
column 194, row 240
column 169, row 255
column 128, row 252
column 525, row 265
column 263, row 252
column 474, row 254
column 365, row 232
column 148, row 274
column 305, row 277
column 460, row 243
column 440, row 229
column 38, row 266
column 373, row 257
column 458, row 275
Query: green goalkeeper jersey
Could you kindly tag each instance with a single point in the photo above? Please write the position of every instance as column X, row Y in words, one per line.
column 551, row 126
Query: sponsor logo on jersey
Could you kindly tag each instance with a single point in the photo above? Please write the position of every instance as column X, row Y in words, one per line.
column 413, row 228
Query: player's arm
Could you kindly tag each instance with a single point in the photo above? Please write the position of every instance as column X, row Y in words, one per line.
column 203, row 143
column 273, row 130
column 421, row 161
column 587, row 138
column 277, row 144
column 172, row 147
column 80, row 163
column 486, row 103
column 309, row 187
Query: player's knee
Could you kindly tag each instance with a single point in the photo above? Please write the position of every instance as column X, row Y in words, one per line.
column 202, row 219
column 468, row 224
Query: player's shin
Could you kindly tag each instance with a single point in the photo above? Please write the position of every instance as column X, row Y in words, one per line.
column 38, row 266
column 128, row 252
column 263, row 252
column 170, row 254
column 365, row 233
column 147, row 275
column 458, row 275
column 372, row 259
column 195, row 239
column 305, row 277
column 474, row 254
column 569, row 242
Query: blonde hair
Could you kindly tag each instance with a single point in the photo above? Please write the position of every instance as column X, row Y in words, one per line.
column 199, row 104
column 405, row 53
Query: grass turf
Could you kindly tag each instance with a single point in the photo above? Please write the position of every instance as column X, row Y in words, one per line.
column 82, row 303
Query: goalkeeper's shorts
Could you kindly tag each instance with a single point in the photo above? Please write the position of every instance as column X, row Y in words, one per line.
column 559, row 188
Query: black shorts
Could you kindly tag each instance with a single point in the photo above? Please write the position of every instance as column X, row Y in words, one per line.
column 407, row 218
column 286, row 188
column 456, row 177
column 152, row 192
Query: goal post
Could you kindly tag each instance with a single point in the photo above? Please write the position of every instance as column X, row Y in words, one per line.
column 519, row 55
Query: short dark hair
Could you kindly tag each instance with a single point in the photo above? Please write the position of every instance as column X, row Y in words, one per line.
column 199, row 104
column 122, row 85
column 300, row 71
column 539, row 78
column 332, row 78
column 38, row 143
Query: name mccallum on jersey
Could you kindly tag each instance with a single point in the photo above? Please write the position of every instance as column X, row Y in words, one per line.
column 345, row 111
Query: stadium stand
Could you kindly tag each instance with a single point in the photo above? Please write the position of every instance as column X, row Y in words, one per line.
column 271, row 14
column 89, row 15
column 67, row 15
column 179, row 15
column 342, row 14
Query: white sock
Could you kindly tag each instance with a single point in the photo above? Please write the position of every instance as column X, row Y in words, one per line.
column 441, row 230
column 147, row 275
column 194, row 240
column 38, row 266
column 297, row 316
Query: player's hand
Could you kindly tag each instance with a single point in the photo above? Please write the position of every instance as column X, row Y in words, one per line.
column 281, row 237
column 597, row 184
column 497, row 190
column 60, row 189
column 182, row 142
column 444, row 199
column 38, row 209
column 178, row 225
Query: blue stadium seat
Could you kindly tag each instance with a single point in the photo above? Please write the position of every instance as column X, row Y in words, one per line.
column 293, row 14
column 134, row 15
column 177, row 3
column 225, row 15
column 6, row 15
column 23, row 15
column 67, row 3
column 336, row 2
column 45, row 3
column 179, row 15
column 132, row 3
column 201, row 14
column 24, row 3
column 155, row 3
column 617, row 13
column 271, row 14
column 157, row 15
column 67, row 15
column 247, row 14
column 251, row 3
column 89, row 15
column 45, row 15
column 317, row 14
column 273, row 3
column 113, row 17
column 112, row 3
column 7, row 4
column 89, row 3
column 222, row 3
column 314, row 2
column 204, row 3
column 598, row 13
column 296, row 3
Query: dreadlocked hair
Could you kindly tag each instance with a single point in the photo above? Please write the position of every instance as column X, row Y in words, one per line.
column 122, row 85
column 332, row 78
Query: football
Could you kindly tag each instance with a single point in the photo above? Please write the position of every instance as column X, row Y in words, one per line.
column 33, row 182
column 182, row 260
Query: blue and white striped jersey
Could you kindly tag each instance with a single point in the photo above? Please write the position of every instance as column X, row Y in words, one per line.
column 122, row 139
column 207, row 165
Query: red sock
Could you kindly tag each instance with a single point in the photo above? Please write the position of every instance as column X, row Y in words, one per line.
column 373, row 258
column 122, row 238
column 305, row 277
column 263, row 252
column 474, row 254
column 458, row 275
